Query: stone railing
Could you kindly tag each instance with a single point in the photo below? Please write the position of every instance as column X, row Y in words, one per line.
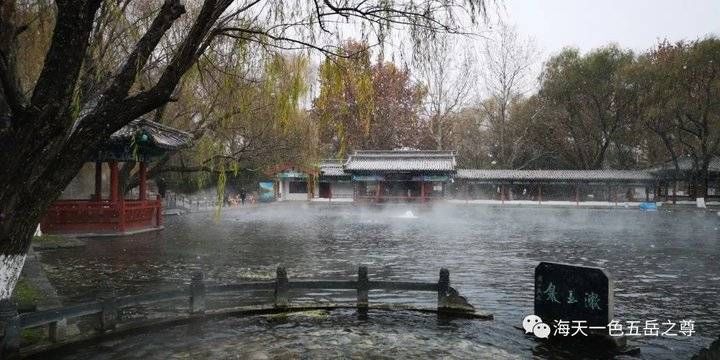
column 107, row 308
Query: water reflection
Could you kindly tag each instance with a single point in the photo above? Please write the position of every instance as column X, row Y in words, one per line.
column 324, row 335
column 665, row 264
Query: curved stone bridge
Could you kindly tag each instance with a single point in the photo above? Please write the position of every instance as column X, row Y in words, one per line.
column 106, row 309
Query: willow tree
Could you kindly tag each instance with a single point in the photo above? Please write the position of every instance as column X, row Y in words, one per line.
column 245, row 116
column 366, row 105
column 48, row 129
column 344, row 106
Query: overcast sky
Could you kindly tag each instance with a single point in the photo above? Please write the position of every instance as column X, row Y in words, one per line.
column 587, row 24
column 635, row 24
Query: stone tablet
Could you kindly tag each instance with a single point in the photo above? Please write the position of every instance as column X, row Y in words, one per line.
column 569, row 293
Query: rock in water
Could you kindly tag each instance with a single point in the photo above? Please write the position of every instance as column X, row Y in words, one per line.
column 712, row 352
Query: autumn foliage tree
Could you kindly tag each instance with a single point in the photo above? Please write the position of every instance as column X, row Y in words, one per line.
column 362, row 105
column 344, row 106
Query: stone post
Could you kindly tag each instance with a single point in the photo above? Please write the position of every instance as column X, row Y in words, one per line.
column 10, row 327
column 443, row 286
column 197, row 293
column 108, row 317
column 281, row 288
column 449, row 300
column 57, row 331
column 363, row 286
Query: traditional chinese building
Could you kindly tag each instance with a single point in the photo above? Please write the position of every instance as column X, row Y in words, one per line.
column 674, row 184
column 334, row 182
column 292, row 181
column 101, row 208
column 381, row 176
column 400, row 175
column 555, row 185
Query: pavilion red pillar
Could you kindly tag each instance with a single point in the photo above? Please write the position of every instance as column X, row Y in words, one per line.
column 116, row 196
column 121, row 213
column 615, row 195
column 540, row 193
column 422, row 191
column 114, row 178
column 577, row 194
column 158, row 211
column 143, row 181
column 502, row 194
column 656, row 192
column 98, row 181
column 674, row 198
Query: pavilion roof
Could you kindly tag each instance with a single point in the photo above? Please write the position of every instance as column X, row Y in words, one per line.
column 142, row 140
column 158, row 135
column 401, row 160
column 556, row 175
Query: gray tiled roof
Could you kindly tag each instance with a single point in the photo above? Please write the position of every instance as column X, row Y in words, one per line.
column 401, row 160
column 332, row 167
column 685, row 163
column 159, row 135
column 556, row 175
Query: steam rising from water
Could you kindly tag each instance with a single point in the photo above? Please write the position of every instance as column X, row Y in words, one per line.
column 664, row 263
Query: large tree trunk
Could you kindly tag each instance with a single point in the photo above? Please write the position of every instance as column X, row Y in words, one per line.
column 44, row 141
column 24, row 201
column 29, row 145
column 673, row 156
column 12, row 255
column 702, row 181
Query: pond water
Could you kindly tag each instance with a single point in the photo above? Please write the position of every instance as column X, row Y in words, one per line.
column 666, row 266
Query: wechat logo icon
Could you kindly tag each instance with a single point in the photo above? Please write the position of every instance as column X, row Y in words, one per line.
column 533, row 324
